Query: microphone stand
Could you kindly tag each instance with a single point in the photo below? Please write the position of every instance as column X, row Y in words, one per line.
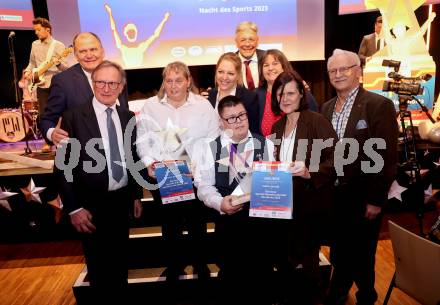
column 18, row 99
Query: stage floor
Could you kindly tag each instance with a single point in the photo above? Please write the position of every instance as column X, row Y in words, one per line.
column 11, row 168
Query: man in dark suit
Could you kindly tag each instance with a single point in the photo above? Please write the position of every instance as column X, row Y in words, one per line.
column 371, row 43
column 73, row 86
column 98, row 191
column 246, row 39
column 363, row 184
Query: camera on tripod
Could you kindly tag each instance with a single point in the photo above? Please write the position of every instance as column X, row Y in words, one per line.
column 400, row 84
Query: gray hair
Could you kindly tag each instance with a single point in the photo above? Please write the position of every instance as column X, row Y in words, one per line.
column 353, row 57
column 108, row 63
column 246, row 26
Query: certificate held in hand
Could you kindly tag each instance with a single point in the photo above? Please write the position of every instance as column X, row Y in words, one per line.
column 271, row 195
column 174, row 180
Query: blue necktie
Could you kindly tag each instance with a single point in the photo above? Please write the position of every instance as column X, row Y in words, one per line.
column 117, row 170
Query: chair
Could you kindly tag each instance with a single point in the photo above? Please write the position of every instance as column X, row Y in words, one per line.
column 417, row 263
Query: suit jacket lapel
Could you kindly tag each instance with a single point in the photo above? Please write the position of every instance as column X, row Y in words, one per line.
column 82, row 85
column 279, row 135
column 301, row 133
column 355, row 115
column 90, row 120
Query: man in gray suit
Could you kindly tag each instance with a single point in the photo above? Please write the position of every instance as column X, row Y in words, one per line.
column 371, row 43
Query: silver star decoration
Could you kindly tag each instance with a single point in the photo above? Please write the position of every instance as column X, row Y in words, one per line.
column 34, row 191
column 4, row 195
column 396, row 191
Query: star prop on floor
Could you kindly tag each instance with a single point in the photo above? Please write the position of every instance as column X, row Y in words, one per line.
column 4, row 195
column 428, row 193
column 396, row 191
column 32, row 192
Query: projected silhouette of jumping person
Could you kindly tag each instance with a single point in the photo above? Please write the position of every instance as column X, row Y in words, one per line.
column 133, row 53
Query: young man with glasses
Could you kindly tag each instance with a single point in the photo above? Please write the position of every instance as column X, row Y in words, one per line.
column 221, row 166
column 361, row 192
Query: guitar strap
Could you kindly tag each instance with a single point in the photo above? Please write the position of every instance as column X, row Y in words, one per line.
column 50, row 50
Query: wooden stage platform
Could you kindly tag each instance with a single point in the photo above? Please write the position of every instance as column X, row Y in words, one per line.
column 10, row 166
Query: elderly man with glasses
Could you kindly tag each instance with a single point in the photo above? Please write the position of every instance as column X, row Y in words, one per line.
column 368, row 121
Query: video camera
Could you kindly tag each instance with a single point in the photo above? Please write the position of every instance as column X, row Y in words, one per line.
column 400, row 84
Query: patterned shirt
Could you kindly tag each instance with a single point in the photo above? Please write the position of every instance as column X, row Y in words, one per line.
column 340, row 119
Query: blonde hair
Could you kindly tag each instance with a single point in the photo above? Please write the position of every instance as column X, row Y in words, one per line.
column 236, row 61
column 177, row 66
column 246, row 26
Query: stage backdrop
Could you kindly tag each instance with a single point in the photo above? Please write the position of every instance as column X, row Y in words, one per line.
column 358, row 6
column 196, row 32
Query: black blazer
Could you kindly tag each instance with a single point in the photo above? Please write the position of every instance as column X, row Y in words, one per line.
column 372, row 116
column 69, row 89
column 81, row 123
column 250, row 101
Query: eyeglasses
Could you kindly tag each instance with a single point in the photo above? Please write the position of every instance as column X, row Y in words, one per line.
column 233, row 119
column 100, row 84
column 342, row 70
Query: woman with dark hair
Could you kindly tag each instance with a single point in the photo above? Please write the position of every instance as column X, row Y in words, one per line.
column 273, row 63
column 300, row 131
column 229, row 81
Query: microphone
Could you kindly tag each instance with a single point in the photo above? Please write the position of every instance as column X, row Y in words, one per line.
column 396, row 75
column 11, row 34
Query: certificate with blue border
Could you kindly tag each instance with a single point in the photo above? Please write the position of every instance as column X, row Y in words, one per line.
column 271, row 194
column 174, row 180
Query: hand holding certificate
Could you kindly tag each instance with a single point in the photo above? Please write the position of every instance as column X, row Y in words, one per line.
column 174, row 179
column 271, row 195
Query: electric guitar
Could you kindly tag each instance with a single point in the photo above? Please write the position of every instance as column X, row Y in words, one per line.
column 37, row 73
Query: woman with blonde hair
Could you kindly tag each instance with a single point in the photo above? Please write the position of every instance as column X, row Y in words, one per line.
column 229, row 81
column 169, row 125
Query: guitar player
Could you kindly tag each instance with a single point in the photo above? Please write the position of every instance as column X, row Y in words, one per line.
column 44, row 49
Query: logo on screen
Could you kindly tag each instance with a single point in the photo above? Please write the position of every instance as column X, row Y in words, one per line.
column 195, row 51
column 178, row 51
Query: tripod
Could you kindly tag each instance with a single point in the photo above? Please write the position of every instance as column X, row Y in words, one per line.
column 18, row 99
column 411, row 163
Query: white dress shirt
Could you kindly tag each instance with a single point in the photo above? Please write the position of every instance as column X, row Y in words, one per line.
column 254, row 69
column 204, row 164
column 101, row 115
column 159, row 122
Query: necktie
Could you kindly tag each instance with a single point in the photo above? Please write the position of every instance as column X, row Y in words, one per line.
column 378, row 45
column 249, row 79
column 114, row 148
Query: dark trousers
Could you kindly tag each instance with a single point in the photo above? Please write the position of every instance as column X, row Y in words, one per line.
column 42, row 96
column 105, row 249
column 176, row 217
column 353, row 248
column 246, row 265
